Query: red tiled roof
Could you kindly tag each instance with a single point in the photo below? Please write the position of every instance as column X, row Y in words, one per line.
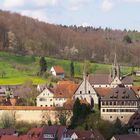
column 86, row 135
column 58, row 69
column 64, row 89
column 136, row 88
column 35, row 131
column 127, row 137
column 9, row 137
column 102, row 91
column 69, row 103
column 55, row 129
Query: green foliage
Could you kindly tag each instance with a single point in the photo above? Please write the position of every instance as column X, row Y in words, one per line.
column 107, row 129
column 8, row 119
column 43, row 65
column 49, row 122
column 29, row 93
column 23, row 127
column 127, row 39
column 19, row 69
column 72, row 69
column 80, row 111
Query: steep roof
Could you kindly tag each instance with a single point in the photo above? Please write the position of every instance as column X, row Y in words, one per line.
column 58, row 69
column 64, row 89
column 107, row 79
column 127, row 137
column 85, row 134
column 7, row 131
column 8, row 137
column 55, row 130
column 135, row 120
column 120, row 93
column 127, row 80
column 99, row 79
column 102, row 91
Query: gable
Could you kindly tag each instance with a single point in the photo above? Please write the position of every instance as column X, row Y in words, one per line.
column 57, row 69
column 85, row 87
column 74, row 136
column 46, row 93
column 116, row 81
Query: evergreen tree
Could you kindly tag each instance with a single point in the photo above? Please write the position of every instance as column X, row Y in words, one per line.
column 43, row 65
column 80, row 112
column 72, row 69
column 49, row 122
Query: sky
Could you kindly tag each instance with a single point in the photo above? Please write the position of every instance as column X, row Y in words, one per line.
column 115, row 14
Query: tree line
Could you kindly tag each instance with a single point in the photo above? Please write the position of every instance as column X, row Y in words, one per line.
column 30, row 36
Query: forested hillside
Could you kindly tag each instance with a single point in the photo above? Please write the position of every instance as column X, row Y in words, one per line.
column 23, row 35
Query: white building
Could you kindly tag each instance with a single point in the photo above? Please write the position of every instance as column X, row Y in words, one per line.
column 57, row 95
column 110, row 80
column 121, row 102
column 87, row 92
column 57, row 71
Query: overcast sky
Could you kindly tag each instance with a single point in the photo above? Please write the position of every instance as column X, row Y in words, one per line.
column 116, row 14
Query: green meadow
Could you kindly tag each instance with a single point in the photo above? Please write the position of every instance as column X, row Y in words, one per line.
column 16, row 69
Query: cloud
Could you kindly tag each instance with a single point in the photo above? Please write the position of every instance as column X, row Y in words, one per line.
column 12, row 3
column 132, row 1
column 107, row 5
column 75, row 5
column 38, row 14
column 45, row 2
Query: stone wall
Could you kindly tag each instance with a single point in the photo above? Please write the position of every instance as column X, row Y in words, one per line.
column 36, row 114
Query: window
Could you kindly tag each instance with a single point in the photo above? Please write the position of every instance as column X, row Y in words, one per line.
column 48, row 136
column 80, row 92
column 121, row 116
column 89, row 91
column 110, row 117
column 50, row 99
column 46, row 105
column 40, row 105
column 103, row 110
column 110, row 103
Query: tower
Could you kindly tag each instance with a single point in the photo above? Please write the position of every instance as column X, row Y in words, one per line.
column 115, row 71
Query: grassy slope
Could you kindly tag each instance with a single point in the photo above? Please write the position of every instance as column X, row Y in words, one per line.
column 21, row 68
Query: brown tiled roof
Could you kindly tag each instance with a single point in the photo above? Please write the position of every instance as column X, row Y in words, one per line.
column 58, row 69
column 64, row 90
column 127, row 137
column 106, row 79
column 136, row 88
column 69, row 103
column 55, row 129
column 120, row 93
column 35, row 132
column 7, row 137
column 86, row 135
column 102, row 91
column 134, row 121
column 99, row 79
column 127, row 80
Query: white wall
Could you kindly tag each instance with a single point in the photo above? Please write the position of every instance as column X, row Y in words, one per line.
column 88, row 94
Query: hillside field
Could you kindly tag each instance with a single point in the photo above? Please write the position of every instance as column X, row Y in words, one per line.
column 17, row 69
